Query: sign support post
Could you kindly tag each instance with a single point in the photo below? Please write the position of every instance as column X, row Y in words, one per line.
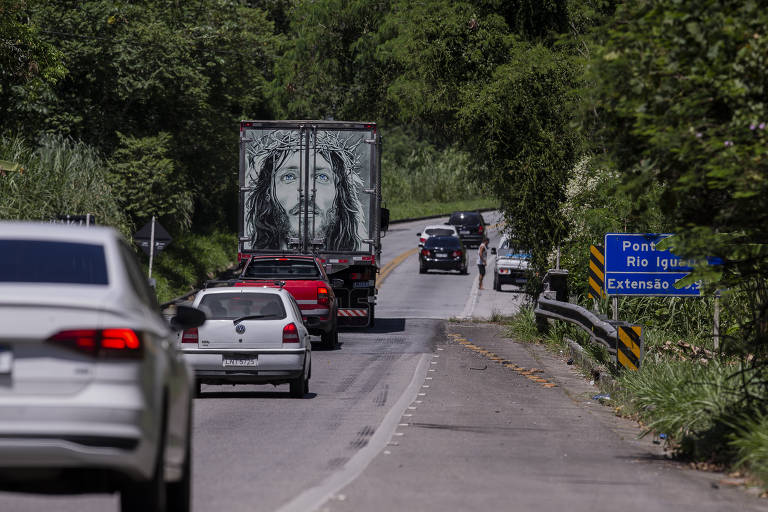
column 716, row 327
column 152, row 238
column 152, row 246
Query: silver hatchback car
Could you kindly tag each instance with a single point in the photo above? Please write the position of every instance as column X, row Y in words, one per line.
column 94, row 395
column 252, row 335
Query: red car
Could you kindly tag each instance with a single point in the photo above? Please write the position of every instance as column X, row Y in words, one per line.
column 303, row 277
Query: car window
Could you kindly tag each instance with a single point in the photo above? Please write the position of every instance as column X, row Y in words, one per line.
column 511, row 248
column 296, row 309
column 440, row 232
column 137, row 279
column 465, row 218
column 442, row 241
column 228, row 306
column 35, row 261
column 268, row 268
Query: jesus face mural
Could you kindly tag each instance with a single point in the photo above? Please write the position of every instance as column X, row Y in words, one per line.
column 331, row 188
column 323, row 181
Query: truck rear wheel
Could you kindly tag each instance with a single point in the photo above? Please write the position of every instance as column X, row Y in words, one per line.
column 330, row 339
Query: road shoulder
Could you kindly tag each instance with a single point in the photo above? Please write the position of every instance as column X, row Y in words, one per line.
column 502, row 425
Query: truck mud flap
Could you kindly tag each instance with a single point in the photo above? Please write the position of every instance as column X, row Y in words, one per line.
column 353, row 317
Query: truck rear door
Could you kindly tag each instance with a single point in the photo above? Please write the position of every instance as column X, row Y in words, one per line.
column 308, row 186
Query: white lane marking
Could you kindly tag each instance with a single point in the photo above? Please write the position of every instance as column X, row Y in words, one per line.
column 469, row 307
column 314, row 497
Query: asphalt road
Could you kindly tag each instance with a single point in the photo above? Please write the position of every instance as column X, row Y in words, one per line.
column 409, row 416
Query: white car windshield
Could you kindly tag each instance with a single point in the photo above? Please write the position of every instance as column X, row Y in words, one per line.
column 440, row 232
column 229, row 306
column 507, row 249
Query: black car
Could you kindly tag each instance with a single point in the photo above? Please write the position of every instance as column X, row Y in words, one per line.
column 470, row 225
column 444, row 253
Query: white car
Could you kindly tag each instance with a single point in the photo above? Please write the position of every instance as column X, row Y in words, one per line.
column 510, row 265
column 253, row 335
column 94, row 395
column 436, row 230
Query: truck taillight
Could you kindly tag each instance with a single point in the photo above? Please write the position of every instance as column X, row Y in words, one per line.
column 425, row 252
column 456, row 254
column 290, row 333
column 102, row 343
column 480, row 228
column 189, row 336
column 322, row 296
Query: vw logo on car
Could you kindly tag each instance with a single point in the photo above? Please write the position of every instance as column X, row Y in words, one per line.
column 240, row 329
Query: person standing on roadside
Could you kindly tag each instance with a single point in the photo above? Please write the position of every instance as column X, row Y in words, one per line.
column 482, row 256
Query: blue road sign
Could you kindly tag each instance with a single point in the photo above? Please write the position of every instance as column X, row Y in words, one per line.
column 634, row 266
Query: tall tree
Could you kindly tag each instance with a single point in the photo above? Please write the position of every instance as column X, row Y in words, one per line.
column 680, row 99
column 29, row 66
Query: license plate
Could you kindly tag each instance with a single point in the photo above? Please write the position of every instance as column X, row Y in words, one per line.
column 464, row 231
column 240, row 361
column 362, row 284
column 441, row 255
column 6, row 360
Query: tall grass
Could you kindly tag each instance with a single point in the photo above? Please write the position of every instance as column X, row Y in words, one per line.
column 59, row 177
column 420, row 179
column 522, row 326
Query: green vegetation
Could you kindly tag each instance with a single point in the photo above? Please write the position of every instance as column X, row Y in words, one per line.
column 190, row 260
column 410, row 210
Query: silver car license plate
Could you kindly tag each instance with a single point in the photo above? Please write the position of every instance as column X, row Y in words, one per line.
column 6, row 360
column 239, row 361
column 441, row 255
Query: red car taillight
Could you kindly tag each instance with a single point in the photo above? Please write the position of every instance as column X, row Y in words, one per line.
column 480, row 228
column 422, row 239
column 290, row 333
column 104, row 343
column 323, row 297
column 425, row 252
column 189, row 336
column 456, row 254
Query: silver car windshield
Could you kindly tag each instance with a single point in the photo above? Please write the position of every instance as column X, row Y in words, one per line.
column 230, row 306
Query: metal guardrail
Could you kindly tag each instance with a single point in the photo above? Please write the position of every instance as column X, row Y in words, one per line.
column 175, row 301
column 600, row 330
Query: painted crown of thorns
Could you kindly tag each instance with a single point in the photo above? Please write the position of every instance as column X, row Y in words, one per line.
column 323, row 142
